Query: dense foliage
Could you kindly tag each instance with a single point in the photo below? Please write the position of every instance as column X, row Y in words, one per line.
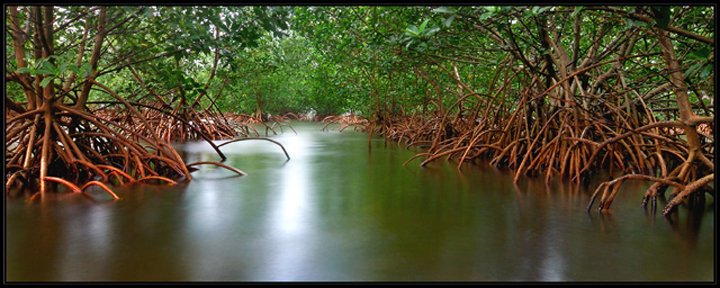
column 562, row 91
column 99, row 93
column 552, row 90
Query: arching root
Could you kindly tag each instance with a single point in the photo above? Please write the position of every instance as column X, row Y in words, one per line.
column 82, row 190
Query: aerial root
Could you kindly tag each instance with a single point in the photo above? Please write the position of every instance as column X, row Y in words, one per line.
column 117, row 172
column 660, row 183
column 241, row 173
column 689, row 189
column 76, row 189
column 651, row 193
column 566, row 141
column 357, row 122
column 608, row 196
column 257, row 138
column 168, row 180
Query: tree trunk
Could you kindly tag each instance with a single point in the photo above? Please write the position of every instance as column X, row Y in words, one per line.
column 99, row 38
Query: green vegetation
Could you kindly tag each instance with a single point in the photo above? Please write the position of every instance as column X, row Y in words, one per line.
column 557, row 91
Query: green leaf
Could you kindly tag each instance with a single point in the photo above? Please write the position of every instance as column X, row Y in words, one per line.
column 431, row 31
column 692, row 70
column 50, row 67
column 422, row 26
column 443, row 9
column 408, row 44
column 447, row 22
column 707, row 70
column 662, row 17
column 628, row 23
column 42, row 71
column 23, row 70
column 486, row 15
column 413, row 30
column 422, row 46
column 63, row 68
column 527, row 14
column 703, row 53
column 577, row 10
column 46, row 81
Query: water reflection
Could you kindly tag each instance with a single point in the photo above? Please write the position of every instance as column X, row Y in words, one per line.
column 290, row 214
column 335, row 213
column 293, row 210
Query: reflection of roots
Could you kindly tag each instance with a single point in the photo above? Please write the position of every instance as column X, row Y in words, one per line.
column 568, row 143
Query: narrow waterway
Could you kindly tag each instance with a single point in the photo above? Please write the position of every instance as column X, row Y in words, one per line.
column 338, row 212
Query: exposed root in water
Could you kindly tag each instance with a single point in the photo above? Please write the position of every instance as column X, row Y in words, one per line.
column 81, row 190
column 543, row 130
column 120, row 142
column 228, row 167
column 258, row 138
column 357, row 122
column 79, row 146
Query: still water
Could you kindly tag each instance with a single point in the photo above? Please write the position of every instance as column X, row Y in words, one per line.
column 338, row 212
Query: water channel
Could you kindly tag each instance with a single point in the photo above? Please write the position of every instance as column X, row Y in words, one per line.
column 338, row 212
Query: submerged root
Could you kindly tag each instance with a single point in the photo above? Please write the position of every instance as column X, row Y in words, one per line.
column 687, row 191
column 82, row 190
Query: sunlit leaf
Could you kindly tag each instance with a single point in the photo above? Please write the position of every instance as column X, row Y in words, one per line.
column 486, row 15
column 577, row 10
column 431, row 31
column 412, row 29
column 444, row 9
column 422, row 26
